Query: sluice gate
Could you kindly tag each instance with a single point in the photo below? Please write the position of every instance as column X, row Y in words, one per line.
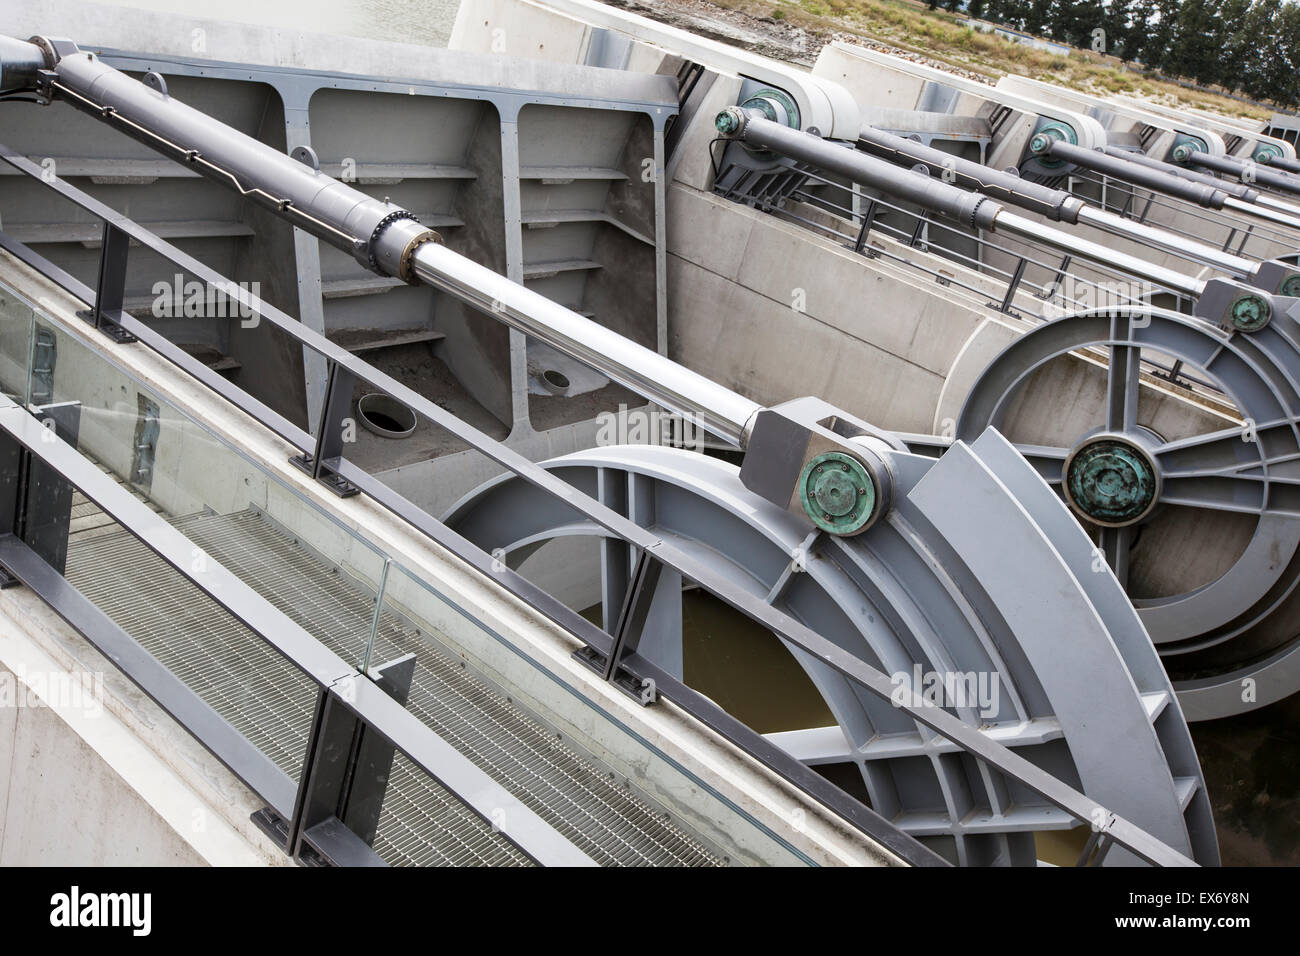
column 1094, row 376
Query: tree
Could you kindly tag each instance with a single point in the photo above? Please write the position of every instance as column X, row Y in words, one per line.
column 1132, row 24
column 1194, row 45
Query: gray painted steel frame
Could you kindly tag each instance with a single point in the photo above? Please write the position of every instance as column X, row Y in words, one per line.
column 873, row 681
column 296, row 87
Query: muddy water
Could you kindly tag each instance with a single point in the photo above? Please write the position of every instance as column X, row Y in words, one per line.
column 1251, row 762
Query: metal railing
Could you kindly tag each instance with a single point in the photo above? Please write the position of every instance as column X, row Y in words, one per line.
column 614, row 655
column 1055, row 283
column 348, row 704
column 1137, row 204
column 864, row 213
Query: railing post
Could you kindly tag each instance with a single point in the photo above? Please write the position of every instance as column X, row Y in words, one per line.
column 110, row 287
column 316, row 835
column 1012, row 286
column 1061, row 273
column 921, row 223
column 868, row 218
column 35, row 500
column 334, row 421
column 344, row 779
column 632, row 619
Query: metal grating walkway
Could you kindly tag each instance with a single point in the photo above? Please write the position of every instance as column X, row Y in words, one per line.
column 270, row 702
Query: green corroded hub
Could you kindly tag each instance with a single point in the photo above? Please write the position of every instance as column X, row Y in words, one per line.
column 1266, row 153
column 1290, row 286
column 776, row 105
column 1185, row 146
column 728, row 122
column 1051, row 132
column 1249, row 312
column 1111, row 482
column 837, row 493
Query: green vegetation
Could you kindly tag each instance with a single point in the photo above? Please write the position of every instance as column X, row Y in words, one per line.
column 1234, row 45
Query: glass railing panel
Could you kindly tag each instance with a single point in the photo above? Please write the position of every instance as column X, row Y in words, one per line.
column 16, row 356
column 293, row 553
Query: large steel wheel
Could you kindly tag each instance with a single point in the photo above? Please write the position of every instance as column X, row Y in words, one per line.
column 998, row 589
column 1202, row 527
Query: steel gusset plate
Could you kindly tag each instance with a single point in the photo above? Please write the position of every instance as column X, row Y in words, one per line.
column 1212, row 560
column 978, row 569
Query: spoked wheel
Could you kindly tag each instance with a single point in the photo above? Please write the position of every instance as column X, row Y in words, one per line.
column 1191, row 494
column 938, row 587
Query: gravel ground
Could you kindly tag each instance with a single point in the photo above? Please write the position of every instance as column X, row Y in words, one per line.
column 765, row 35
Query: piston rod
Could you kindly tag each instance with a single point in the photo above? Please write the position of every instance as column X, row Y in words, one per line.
column 1281, row 162
column 974, row 210
column 384, row 237
column 1206, row 194
column 1248, row 171
column 1055, row 204
column 1240, row 196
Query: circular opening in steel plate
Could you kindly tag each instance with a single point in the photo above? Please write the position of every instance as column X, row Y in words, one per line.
column 386, row 416
column 555, row 381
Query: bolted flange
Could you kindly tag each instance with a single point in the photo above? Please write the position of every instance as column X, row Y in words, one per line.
column 837, row 493
column 730, row 121
column 1111, row 481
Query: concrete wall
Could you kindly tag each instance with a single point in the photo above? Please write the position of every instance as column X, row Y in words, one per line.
column 105, row 778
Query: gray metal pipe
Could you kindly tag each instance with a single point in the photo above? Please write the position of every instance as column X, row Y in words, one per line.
column 1166, row 241
column 1239, row 190
column 717, row 409
column 1055, row 204
column 1262, row 212
column 1096, row 252
column 1248, row 171
column 19, row 63
column 1281, row 162
column 1123, row 168
column 972, row 209
column 1240, row 196
column 388, row 239
column 1277, row 204
column 344, row 217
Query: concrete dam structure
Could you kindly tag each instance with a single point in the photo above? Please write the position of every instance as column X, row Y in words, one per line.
column 591, row 444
